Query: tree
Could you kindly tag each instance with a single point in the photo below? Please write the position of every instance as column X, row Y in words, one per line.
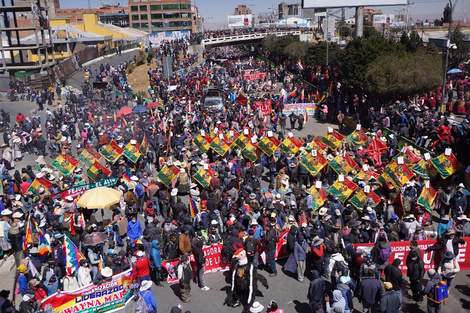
column 296, row 50
column 391, row 75
column 447, row 14
column 411, row 42
column 457, row 37
column 278, row 45
column 316, row 54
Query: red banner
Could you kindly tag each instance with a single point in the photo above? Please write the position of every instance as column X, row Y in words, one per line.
column 430, row 253
column 265, row 107
column 254, row 76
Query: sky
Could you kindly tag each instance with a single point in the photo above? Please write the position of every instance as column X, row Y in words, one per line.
column 216, row 11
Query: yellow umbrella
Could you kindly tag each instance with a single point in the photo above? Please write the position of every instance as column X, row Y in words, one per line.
column 99, row 198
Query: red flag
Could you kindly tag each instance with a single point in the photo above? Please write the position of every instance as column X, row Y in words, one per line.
column 376, row 148
column 72, row 226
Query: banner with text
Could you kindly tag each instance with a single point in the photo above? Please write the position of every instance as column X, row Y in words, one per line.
column 79, row 190
column 265, row 107
column 299, row 108
column 430, row 253
column 254, row 76
column 108, row 297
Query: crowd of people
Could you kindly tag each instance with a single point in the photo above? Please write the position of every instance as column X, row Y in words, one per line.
column 250, row 198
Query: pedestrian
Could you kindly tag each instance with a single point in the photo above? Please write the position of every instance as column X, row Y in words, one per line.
column 338, row 304
column 389, row 303
column 134, row 230
column 156, row 262
column 22, row 279
column 256, row 307
column 70, row 282
column 415, row 273
column 316, row 290
column 300, row 255
column 252, row 246
column 430, row 292
column 346, row 293
column 84, row 276
column 197, row 245
column 448, row 268
column 369, row 292
column 394, row 275
column 141, row 269
column 185, row 275
column 146, row 293
column 273, row 308
column 270, row 237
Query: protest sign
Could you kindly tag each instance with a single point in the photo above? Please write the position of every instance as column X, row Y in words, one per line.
column 299, row 108
column 79, row 190
column 253, row 76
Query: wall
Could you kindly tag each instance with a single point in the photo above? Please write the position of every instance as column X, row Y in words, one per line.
column 91, row 25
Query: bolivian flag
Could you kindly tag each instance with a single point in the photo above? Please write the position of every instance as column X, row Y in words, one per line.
column 365, row 176
column 427, row 197
column 203, row 177
column 132, row 152
column 88, row 156
column 342, row 189
column 425, row 169
column 144, row 146
column 65, row 164
column 112, row 152
column 318, row 197
column 93, row 171
column 397, row 174
column 290, row 145
column 38, row 183
column 268, row 145
column 203, row 143
column 333, row 140
column 232, row 136
column 220, row 145
column 251, row 151
column 168, row 174
column 361, row 199
column 316, row 144
column 343, row 164
column 358, row 138
column 314, row 164
column 243, row 140
column 446, row 165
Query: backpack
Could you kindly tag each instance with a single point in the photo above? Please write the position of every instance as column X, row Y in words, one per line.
column 141, row 306
column 385, row 254
column 250, row 247
column 438, row 293
column 227, row 248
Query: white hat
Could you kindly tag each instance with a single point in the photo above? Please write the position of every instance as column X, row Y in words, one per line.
column 256, row 307
column 27, row 297
column 278, row 196
column 69, row 198
column 106, row 272
column 252, row 222
column 214, row 222
column 146, row 284
column 6, row 212
column 17, row 215
column 323, row 211
column 461, row 185
column 134, row 178
column 291, row 218
column 140, row 254
column 369, row 209
column 63, row 138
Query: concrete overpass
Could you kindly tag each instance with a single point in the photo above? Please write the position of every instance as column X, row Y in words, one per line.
column 242, row 39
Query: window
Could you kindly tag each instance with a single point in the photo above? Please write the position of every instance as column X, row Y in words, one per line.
column 171, row 15
column 134, row 8
column 185, row 6
column 155, row 7
column 156, row 16
column 185, row 15
column 144, row 17
column 135, row 17
column 175, row 6
column 135, row 25
column 157, row 24
column 143, row 8
column 144, row 25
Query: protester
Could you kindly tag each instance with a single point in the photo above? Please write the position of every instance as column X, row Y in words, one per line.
column 185, row 274
column 390, row 302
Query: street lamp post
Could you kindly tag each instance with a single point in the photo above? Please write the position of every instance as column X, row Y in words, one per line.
column 448, row 47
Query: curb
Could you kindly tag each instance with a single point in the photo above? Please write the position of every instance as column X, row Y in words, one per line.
column 110, row 55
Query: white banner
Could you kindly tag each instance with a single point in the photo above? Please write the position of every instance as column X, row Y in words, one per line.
column 240, row 20
column 349, row 3
column 384, row 19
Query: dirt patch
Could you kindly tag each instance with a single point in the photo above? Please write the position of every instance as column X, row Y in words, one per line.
column 139, row 78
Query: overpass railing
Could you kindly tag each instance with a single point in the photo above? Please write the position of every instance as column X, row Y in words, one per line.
column 247, row 37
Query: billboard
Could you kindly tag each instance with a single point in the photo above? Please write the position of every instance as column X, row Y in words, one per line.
column 240, row 20
column 384, row 19
column 158, row 38
column 307, row 4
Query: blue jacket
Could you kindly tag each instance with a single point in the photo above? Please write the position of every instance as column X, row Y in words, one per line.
column 149, row 299
column 134, row 230
column 300, row 253
column 155, row 254
column 139, row 191
column 22, row 283
column 259, row 232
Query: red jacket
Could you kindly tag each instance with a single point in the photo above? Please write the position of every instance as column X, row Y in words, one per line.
column 141, row 268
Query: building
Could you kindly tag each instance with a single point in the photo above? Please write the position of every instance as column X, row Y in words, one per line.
column 241, row 9
column 110, row 12
column 197, row 25
column 161, row 16
column 286, row 10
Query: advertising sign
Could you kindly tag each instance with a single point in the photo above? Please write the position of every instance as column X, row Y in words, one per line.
column 384, row 19
column 240, row 20
column 158, row 38
column 108, row 297
column 265, row 107
column 253, row 76
column 308, row 4
column 430, row 253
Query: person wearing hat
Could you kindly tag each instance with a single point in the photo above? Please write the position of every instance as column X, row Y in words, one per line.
column 27, row 304
column 83, row 275
column 104, row 275
column 141, row 269
column 445, row 200
column 451, row 242
column 389, row 303
column 415, row 273
column 458, row 202
column 394, row 275
column 70, row 282
column 146, row 293
column 134, row 229
column 448, row 268
column 185, row 275
column 52, row 274
column 22, row 279
column 37, row 289
column 15, row 235
column 430, row 290
column 444, row 226
column 256, row 307
column 4, row 228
